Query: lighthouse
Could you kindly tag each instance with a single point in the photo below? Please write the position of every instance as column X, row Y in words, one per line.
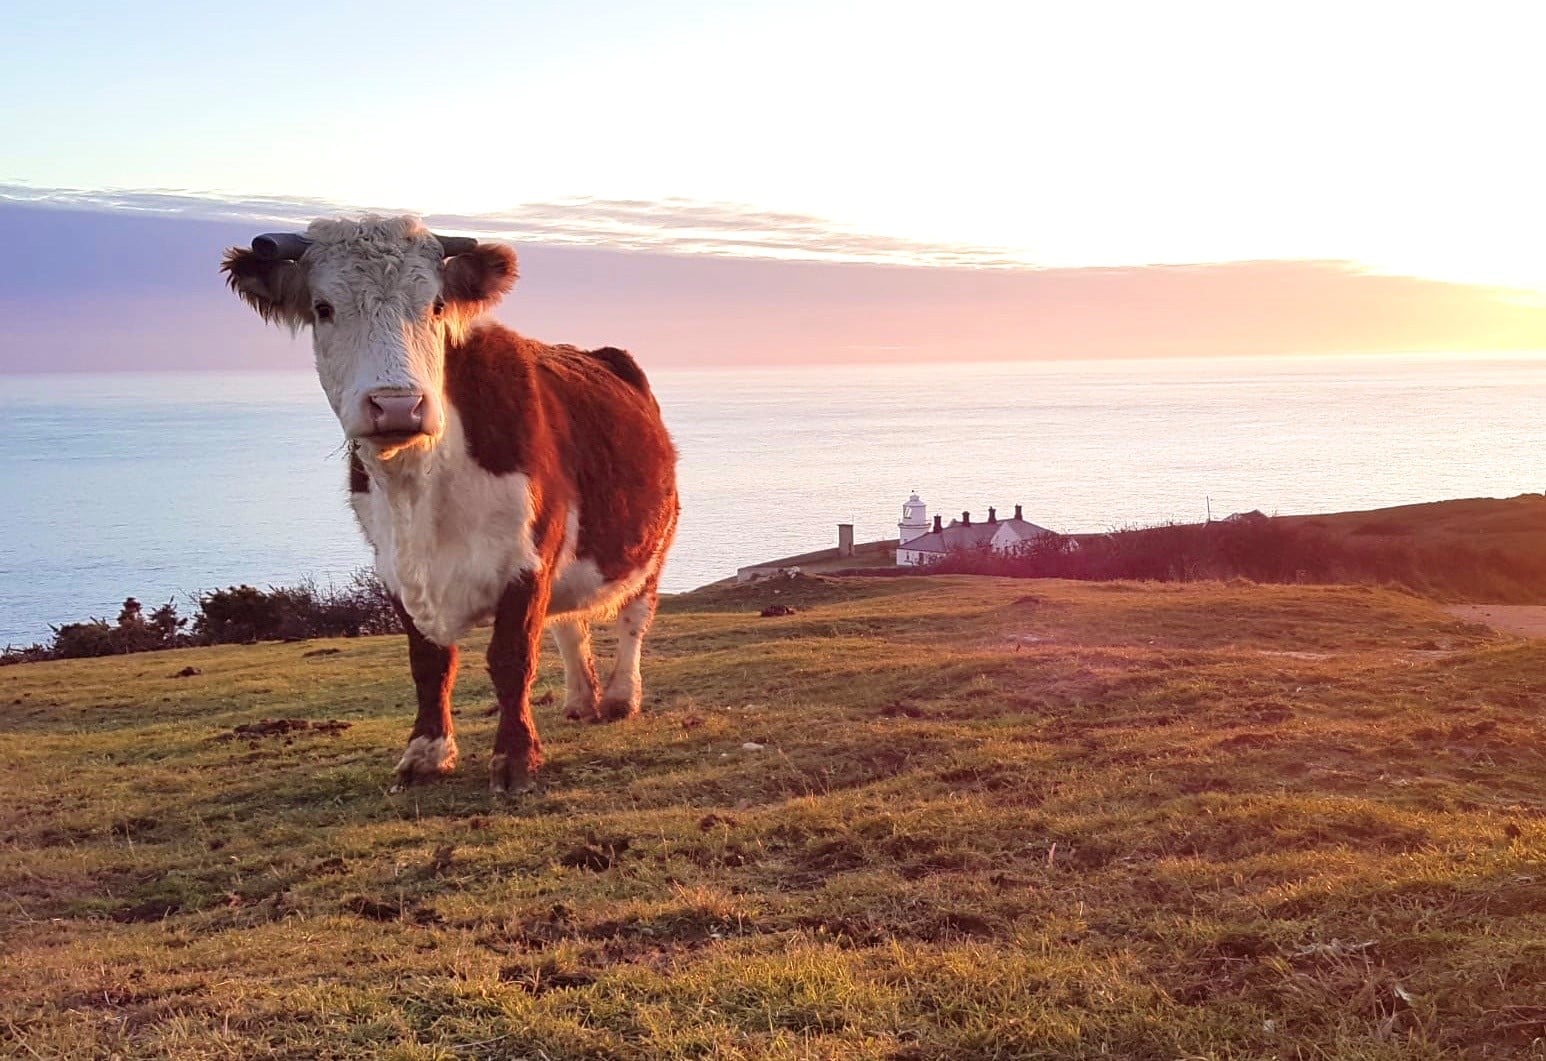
column 915, row 519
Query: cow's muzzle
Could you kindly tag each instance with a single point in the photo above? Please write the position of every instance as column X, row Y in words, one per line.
column 395, row 416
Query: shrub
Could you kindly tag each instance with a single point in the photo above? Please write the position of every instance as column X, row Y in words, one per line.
column 234, row 615
column 238, row 615
column 243, row 614
column 133, row 632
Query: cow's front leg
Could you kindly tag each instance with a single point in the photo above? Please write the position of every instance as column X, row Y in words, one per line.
column 431, row 747
column 512, row 663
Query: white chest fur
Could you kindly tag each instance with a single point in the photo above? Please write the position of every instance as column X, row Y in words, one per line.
column 448, row 535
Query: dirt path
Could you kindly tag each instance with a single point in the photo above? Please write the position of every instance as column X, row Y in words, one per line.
column 1527, row 620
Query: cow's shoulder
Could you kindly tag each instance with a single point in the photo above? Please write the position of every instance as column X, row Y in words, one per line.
column 492, row 383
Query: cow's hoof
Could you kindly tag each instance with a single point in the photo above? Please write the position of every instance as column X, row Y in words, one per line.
column 513, row 774
column 613, row 710
column 425, row 758
column 582, row 711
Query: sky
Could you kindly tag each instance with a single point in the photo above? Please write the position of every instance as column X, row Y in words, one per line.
column 1267, row 157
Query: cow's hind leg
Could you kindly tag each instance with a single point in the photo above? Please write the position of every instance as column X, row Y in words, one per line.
column 431, row 747
column 625, row 689
column 512, row 663
column 582, row 691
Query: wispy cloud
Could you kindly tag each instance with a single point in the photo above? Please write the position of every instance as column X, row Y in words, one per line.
column 666, row 226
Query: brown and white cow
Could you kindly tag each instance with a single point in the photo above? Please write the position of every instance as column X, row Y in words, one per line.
column 495, row 477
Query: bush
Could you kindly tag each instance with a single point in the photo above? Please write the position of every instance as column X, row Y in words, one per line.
column 234, row 615
column 132, row 633
column 242, row 614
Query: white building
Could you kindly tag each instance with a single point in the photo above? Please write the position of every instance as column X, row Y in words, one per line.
column 915, row 520
column 1001, row 536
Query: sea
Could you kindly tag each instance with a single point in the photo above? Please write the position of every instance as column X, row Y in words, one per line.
column 162, row 485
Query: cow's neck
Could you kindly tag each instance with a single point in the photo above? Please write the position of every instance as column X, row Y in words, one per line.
column 448, row 534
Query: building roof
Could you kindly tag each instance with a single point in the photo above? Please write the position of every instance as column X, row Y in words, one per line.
column 1022, row 530
column 970, row 535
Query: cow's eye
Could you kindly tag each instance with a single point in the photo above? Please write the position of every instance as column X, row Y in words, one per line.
column 438, row 307
column 323, row 310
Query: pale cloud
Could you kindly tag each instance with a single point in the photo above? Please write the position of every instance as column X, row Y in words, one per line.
column 667, row 226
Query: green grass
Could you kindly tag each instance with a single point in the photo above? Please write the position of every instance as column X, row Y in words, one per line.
column 991, row 819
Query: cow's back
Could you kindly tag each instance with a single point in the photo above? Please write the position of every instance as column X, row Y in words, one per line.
column 619, row 454
column 586, row 428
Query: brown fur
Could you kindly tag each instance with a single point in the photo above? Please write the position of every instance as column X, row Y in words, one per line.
column 623, row 366
column 512, row 664
column 587, row 431
column 583, row 432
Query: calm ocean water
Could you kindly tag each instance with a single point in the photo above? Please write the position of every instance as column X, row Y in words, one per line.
column 158, row 485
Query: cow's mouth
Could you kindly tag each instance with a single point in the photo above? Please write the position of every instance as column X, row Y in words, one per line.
column 386, row 443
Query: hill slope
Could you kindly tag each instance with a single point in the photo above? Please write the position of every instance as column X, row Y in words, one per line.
column 1479, row 550
column 990, row 818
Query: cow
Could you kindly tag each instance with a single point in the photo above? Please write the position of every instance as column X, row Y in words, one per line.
column 494, row 476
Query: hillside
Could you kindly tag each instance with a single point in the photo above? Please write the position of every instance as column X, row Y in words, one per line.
column 1478, row 550
column 987, row 818
column 1512, row 522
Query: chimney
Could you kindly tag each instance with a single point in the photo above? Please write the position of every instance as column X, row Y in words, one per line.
column 1017, row 513
column 966, row 519
column 937, row 528
column 845, row 539
column 992, row 514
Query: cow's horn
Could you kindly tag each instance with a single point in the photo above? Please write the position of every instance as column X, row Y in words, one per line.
column 453, row 245
column 277, row 246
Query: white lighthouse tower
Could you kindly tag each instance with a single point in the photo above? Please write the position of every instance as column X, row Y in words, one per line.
column 915, row 519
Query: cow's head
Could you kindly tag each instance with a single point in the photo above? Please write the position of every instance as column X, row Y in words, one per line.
column 383, row 298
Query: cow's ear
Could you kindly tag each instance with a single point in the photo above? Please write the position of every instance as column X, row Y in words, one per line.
column 277, row 289
column 476, row 280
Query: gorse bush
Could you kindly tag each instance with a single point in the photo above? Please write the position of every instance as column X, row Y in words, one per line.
column 234, row 615
column 243, row 614
column 133, row 632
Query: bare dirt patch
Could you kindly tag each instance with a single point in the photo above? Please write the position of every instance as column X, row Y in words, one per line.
column 1526, row 620
column 279, row 727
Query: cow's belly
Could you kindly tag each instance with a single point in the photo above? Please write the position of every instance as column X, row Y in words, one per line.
column 580, row 589
column 449, row 573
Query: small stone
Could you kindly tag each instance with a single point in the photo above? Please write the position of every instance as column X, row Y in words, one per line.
column 752, row 746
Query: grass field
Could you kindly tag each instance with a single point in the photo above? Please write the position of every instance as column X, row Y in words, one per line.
column 919, row 819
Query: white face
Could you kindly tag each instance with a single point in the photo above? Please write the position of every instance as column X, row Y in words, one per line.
column 382, row 300
column 379, row 330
